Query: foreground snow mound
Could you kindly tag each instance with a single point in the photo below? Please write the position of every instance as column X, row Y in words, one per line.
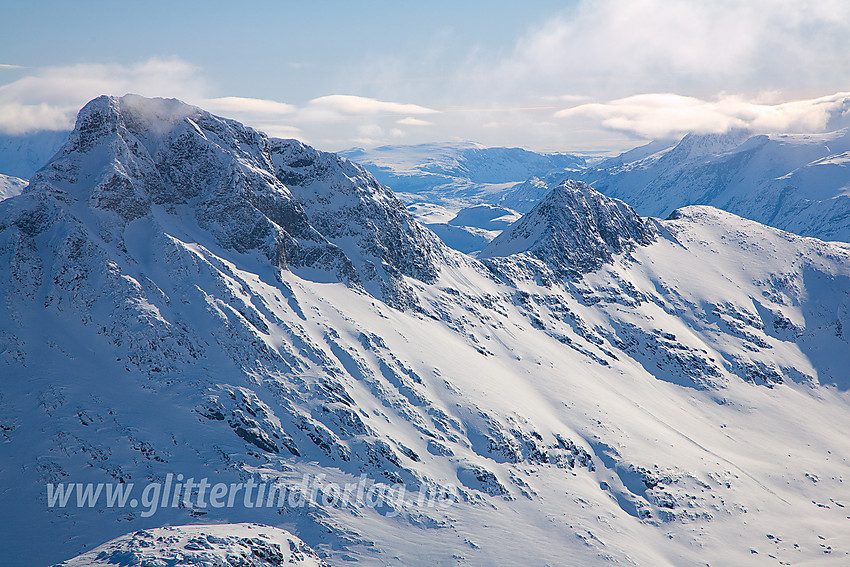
column 573, row 230
column 226, row 545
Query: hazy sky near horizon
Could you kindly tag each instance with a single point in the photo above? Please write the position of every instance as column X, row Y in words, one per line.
column 575, row 75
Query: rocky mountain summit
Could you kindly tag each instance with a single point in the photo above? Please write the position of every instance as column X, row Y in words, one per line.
column 573, row 230
column 133, row 158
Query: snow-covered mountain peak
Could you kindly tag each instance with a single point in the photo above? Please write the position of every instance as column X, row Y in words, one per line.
column 188, row 171
column 695, row 146
column 575, row 229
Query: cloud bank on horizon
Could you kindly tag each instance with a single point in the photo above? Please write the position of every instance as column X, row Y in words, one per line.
column 600, row 75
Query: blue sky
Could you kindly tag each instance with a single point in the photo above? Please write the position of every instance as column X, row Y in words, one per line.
column 580, row 75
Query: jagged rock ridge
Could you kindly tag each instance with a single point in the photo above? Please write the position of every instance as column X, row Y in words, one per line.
column 573, row 230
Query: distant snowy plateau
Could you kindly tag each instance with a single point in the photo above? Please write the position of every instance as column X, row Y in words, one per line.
column 184, row 295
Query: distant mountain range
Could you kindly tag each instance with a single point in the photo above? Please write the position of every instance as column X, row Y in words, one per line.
column 796, row 182
column 182, row 294
column 799, row 183
column 22, row 155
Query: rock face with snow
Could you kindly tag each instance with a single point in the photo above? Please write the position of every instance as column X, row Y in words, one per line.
column 181, row 295
column 228, row 545
column 147, row 157
column 573, row 230
column 364, row 218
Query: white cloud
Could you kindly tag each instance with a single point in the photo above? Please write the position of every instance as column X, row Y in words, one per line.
column 242, row 105
column 411, row 121
column 17, row 118
column 8, row 66
column 358, row 106
column 50, row 98
column 613, row 48
column 370, row 131
column 669, row 115
column 280, row 130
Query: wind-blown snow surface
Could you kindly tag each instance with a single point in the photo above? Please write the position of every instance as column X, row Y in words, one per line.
column 183, row 295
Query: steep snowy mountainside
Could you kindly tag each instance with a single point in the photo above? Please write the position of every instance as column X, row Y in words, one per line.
column 228, row 545
column 23, row 154
column 796, row 182
column 678, row 400
column 10, row 186
column 573, row 230
column 364, row 218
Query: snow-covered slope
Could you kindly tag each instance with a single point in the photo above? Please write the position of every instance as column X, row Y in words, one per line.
column 10, row 186
column 184, row 296
column 488, row 217
column 421, row 167
column 23, row 154
column 800, row 183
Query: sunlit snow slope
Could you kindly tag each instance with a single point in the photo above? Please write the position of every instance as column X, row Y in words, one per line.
column 182, row 294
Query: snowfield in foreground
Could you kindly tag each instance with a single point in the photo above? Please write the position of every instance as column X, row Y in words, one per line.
column 227, row 545
column 183, row 295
